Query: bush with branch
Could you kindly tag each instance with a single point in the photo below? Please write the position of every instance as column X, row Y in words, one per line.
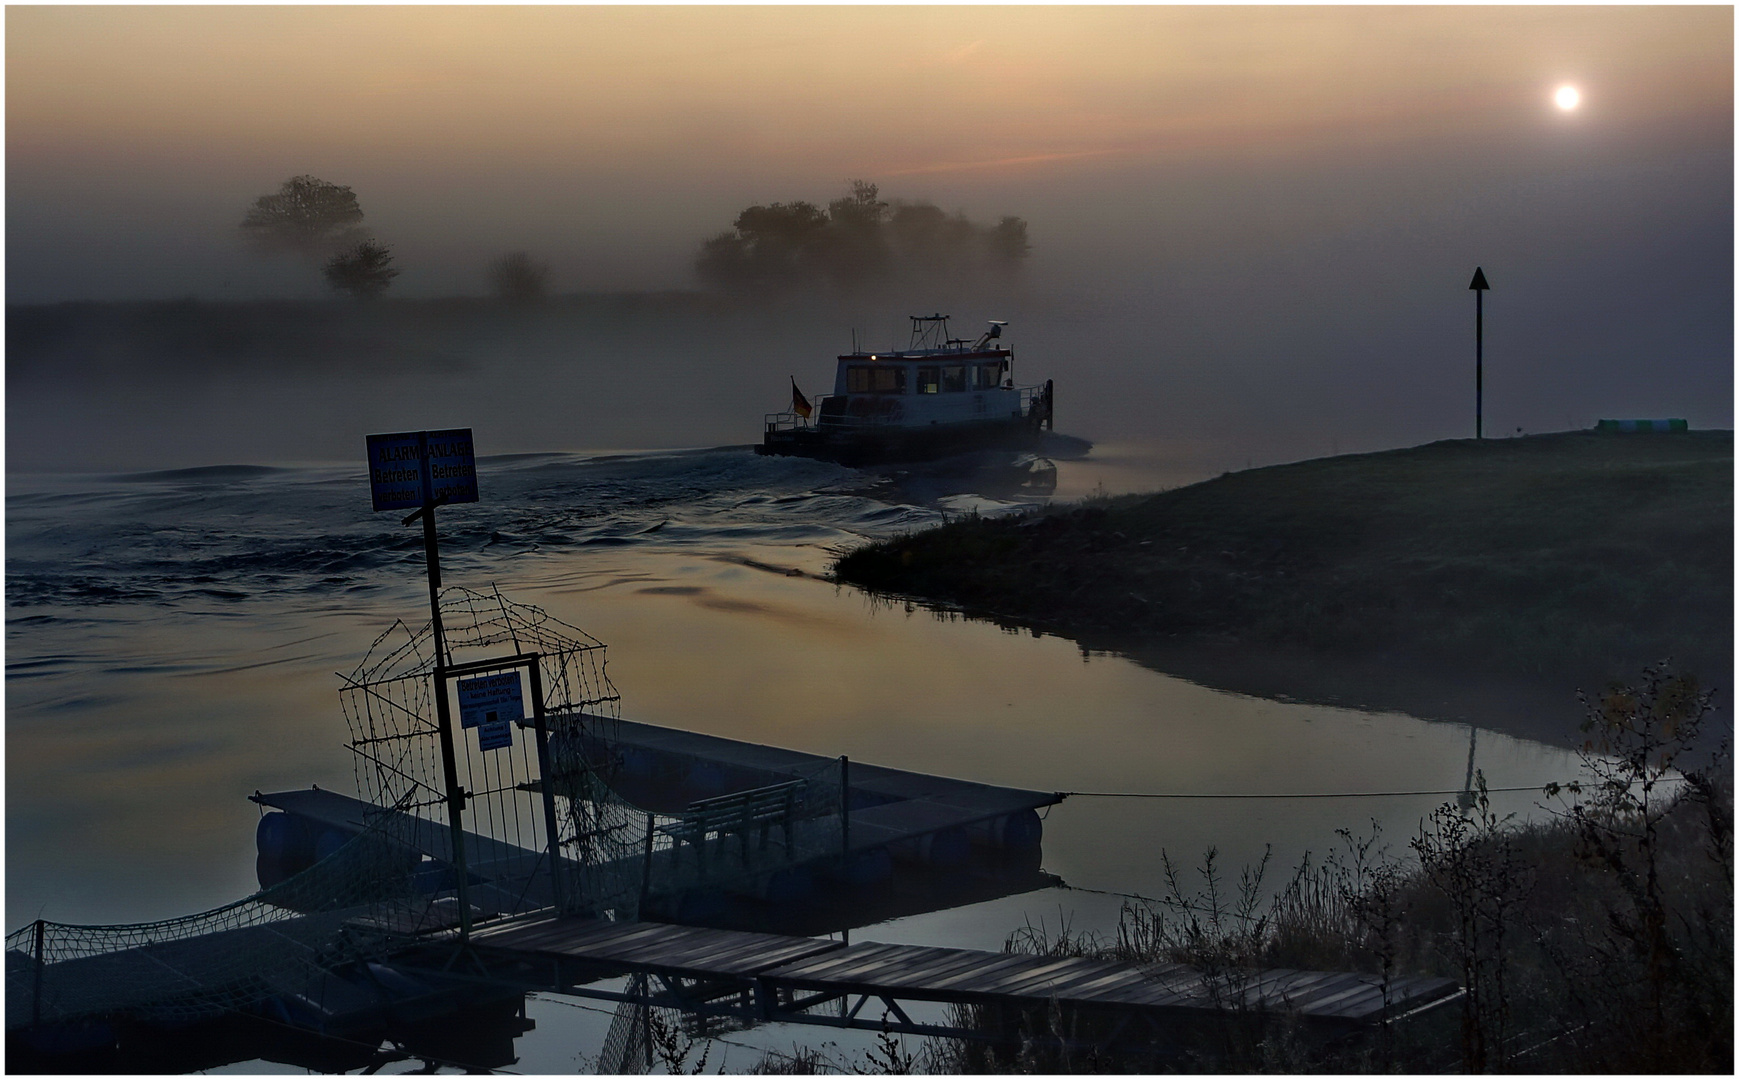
column 518, row 278
column 365, row 271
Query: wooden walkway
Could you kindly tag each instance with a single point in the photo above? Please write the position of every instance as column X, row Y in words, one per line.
column 769, row 977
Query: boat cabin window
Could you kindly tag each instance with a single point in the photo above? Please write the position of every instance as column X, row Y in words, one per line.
column 867, row 379
column 990, row 375
column 954, row 378
column 929, row 380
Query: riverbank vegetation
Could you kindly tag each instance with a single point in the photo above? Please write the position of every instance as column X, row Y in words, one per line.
column 1574, row 556
column 1599, row 940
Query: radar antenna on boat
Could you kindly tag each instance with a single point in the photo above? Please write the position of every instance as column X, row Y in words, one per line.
column 990, row 335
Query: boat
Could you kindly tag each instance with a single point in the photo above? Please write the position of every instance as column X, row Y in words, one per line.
column 938, row 397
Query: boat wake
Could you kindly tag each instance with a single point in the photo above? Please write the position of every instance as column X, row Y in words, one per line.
column 230, row 535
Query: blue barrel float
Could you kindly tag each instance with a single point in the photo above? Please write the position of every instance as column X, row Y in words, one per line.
column 286, row 847
column 290, row 843
column 1010, row 832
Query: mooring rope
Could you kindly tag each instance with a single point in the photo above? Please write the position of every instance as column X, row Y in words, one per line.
column 1562, row 786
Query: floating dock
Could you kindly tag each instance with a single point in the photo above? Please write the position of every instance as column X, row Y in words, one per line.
column 892, row 818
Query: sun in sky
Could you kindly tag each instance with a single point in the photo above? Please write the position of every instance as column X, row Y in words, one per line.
column 1567, row 97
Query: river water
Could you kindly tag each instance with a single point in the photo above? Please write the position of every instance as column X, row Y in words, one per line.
column 173, row 639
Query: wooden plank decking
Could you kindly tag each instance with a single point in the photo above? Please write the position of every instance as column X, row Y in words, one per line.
column 791, row 969
column 659, row 948
column 970, row 976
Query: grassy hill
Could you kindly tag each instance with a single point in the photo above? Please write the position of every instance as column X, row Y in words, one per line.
column 1577, row 556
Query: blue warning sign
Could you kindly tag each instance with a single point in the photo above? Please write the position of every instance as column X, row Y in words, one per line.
column 409, row 469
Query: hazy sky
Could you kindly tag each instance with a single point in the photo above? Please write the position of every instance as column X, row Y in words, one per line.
column 1252, row 227
column 612, row 139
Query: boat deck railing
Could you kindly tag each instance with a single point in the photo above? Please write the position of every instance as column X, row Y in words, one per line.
column 786, row 421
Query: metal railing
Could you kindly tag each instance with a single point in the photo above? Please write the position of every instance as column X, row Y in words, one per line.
column 785, row 421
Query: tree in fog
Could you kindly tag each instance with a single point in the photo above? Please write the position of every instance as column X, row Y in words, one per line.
column 769, row 247
column 1007, row 240
column 364, row 271
column 859, row 240
column 306, row 215
column 856, row 250
column 517, row 277
column 1006, row 246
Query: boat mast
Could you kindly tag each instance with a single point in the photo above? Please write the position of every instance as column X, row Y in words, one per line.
column 928, row 332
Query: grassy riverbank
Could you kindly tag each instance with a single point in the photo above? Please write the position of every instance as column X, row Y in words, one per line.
column 1578, row 556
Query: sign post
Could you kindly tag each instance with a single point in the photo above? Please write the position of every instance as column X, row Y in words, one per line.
column 1479, row 287
column 424, row 469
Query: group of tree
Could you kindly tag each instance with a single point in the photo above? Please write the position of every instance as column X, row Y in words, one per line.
column 858, row 241
column 321, row 221
column 314, row 219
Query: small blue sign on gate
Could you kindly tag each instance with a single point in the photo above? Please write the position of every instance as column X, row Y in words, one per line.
column 492, row 704
column 496, row 735
column 490, row 699
column 410, row 469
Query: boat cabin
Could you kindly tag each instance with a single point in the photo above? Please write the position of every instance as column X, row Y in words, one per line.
column 935, row 380
column 939, row 394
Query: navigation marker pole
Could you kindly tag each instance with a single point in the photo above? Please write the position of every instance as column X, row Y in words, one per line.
column 1479, row 287
column 402, row 471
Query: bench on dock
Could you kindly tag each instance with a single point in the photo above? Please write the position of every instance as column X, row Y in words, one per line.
column 741, row 812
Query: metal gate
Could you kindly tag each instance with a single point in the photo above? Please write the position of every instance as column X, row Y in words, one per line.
column 498, row 839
